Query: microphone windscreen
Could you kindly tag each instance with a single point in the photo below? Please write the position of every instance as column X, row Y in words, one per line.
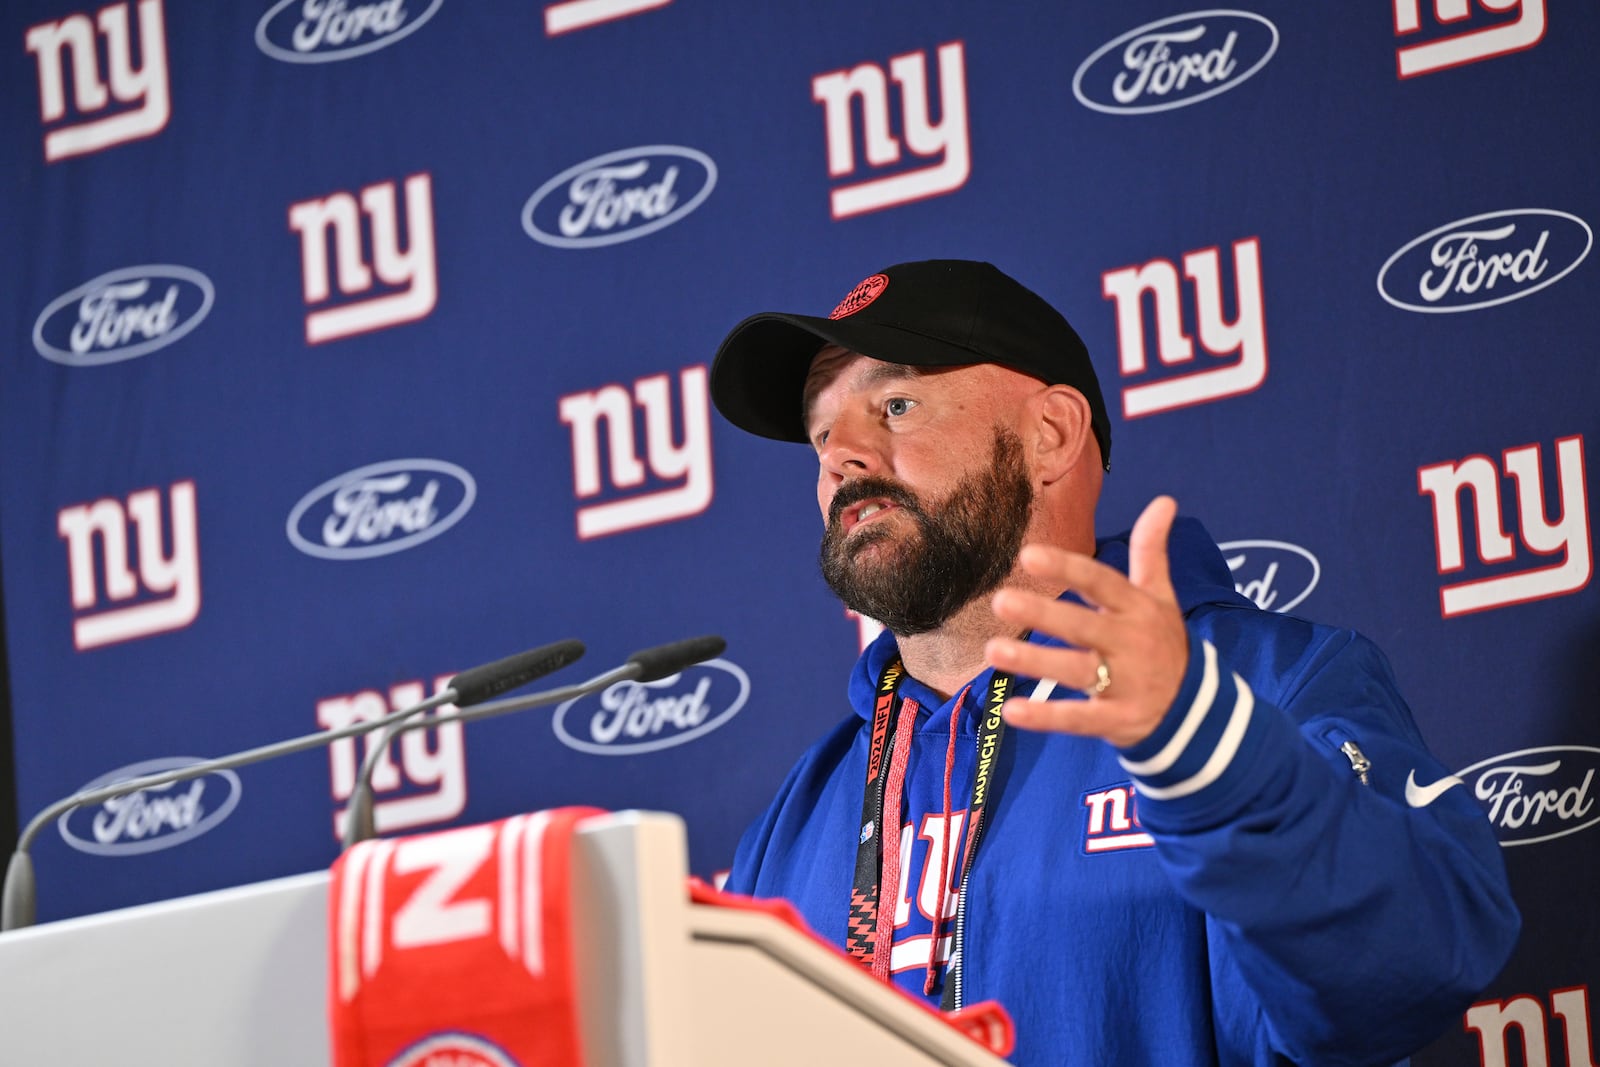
column 663, row 660
column 478, row 684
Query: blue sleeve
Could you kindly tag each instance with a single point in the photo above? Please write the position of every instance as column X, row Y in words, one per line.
column 802, row 848
column 1362, row 923
column 757, row 840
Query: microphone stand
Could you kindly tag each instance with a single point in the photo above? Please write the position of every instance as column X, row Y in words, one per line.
column 18, row 898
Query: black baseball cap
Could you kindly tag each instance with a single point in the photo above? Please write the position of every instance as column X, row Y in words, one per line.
column 932, row 313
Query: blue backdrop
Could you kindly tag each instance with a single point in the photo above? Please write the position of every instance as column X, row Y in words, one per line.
column 348, row 345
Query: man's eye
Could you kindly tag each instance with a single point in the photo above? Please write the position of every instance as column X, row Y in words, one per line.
column 899, row 405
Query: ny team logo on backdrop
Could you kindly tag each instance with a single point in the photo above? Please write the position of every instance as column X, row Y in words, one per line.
column 109, row 105
column 410, row 276
column 580, row 14
column 1494, row 1020
column 165, row 589
column 680, row 482
column 944, row 158
column 1446, row 483
column 1177, row 381
column 427, row 785
column 1511, row 26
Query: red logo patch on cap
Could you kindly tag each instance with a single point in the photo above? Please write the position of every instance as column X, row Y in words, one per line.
column 861, row 296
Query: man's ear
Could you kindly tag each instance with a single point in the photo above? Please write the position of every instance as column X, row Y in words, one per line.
column 1062, row 432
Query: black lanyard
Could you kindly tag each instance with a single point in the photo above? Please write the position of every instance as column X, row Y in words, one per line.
column 861, row 932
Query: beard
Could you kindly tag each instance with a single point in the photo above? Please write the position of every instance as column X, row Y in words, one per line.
column 961, row 548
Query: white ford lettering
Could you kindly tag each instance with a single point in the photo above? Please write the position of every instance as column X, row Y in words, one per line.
column 629, row 708
column 151, row 819
column 359, row 514
column 1537, row 794
column 635, row 717
column 381, row 508
column 142, row 814
column 1272, row 573
column 1152, row 67
column 1460, row 267
column 1511, row 806
column 597, row 203
column 323, row 31
column 123, row 314
column 105, row 322
column 1175, row 61
column 336, row 23
column 1484, row 260
column 619, row 196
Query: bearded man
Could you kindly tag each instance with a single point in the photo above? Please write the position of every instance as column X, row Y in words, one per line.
column 1215, row 835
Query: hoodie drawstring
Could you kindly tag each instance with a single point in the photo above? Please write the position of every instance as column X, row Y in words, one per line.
column 944, row 852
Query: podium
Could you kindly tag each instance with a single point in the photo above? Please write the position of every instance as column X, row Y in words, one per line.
column 239, row 976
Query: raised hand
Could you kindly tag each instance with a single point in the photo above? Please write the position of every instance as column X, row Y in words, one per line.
column 1129, row 645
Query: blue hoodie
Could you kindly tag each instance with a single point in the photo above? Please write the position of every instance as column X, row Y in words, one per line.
column 1234, row 889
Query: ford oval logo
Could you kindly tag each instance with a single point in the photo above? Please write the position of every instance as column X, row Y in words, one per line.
column 1277, row 575
column 1537, row 794
column 126, row 313
column 151, row 819
column 381, row 508
column 1175, row 62
column 619, row 196
column 633, row 717
column 1484, row 260
column 323, row 31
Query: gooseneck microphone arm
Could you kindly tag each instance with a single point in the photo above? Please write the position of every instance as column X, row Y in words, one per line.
column 470, row 687
column 649, row 665
column 17, row 901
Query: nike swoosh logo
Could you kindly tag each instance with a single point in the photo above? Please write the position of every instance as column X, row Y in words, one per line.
column 1420, row 796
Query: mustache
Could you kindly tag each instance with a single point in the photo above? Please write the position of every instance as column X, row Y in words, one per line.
column 869, row 488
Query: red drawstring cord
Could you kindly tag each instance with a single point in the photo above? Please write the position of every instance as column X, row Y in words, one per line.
column 889, row 826
column 890, row 872
column 944, row 851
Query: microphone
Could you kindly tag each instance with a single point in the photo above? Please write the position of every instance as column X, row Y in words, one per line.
column 477, row 684
column 647, row 665
column 19, row 897
column 663, row 661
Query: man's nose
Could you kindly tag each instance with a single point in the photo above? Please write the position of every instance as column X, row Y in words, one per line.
column 851, row 450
